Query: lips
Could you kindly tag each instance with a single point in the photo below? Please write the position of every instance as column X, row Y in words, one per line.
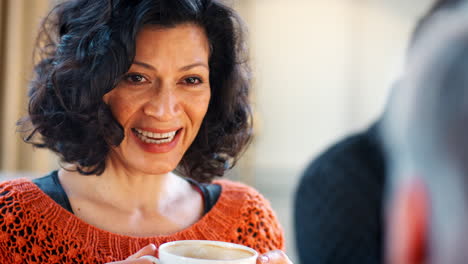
column 156, row 142
column 154, row 138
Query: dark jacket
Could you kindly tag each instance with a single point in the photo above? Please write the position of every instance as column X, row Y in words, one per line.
column 338, row 204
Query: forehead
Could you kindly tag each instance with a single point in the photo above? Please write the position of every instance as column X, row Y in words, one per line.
column 186, row 39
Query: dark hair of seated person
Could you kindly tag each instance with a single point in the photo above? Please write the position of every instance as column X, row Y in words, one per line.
column 85, row 49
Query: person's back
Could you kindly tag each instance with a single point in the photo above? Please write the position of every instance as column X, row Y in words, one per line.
column 339, row 201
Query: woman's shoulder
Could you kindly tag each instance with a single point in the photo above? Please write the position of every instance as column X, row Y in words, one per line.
column 238, row 188
column 257, row 225
column 16, row 192
column 15, row 186
column 242, row 192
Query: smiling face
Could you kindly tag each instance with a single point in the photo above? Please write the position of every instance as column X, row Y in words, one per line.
column 162, row 99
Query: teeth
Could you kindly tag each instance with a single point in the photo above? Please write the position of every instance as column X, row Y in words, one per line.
column 155, row 138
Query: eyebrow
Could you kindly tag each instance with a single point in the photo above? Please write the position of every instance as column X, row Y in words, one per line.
column 193, row 65
column 184, row 68
column 145, row 65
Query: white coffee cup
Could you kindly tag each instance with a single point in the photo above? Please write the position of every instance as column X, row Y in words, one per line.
column 205, row 252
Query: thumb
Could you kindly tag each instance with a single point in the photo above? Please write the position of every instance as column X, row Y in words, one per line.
column 274, row 257
column 149, row 250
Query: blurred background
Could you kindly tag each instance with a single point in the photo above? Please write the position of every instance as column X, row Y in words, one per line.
column 322, row 70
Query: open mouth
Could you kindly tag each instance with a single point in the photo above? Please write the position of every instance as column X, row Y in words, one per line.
column 155, row 138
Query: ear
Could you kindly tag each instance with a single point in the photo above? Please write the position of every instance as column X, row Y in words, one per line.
column 105, row 98
column 408, row 224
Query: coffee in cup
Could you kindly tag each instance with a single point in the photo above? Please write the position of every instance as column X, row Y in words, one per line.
column 205, row 252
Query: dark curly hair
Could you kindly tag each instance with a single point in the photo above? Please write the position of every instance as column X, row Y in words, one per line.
column 86, row 46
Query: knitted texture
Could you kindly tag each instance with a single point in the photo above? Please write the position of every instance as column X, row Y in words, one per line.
column 339, row 200
column 35, row 229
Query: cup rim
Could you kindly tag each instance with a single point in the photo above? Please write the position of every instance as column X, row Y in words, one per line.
column 208, row 242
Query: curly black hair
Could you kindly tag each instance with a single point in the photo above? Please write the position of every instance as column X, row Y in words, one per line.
column 86, row 46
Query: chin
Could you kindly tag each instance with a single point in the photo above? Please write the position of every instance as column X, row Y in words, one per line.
column 155, row 169
column 132, row 157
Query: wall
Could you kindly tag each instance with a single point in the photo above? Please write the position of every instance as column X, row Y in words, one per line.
column 19, row 22
column 322, row 70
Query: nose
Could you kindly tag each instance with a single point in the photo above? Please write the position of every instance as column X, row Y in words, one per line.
column 164, row 104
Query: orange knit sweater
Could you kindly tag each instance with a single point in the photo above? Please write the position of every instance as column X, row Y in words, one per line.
column 35, row 229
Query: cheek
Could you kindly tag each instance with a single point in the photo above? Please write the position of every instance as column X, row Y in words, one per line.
column 200, row 107
column 121, row 109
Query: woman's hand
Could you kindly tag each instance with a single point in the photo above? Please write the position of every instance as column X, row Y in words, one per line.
column 274, row 257
column 145, row 255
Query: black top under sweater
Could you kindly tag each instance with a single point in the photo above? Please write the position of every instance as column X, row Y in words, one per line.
column 50, row 184
column 339, row 203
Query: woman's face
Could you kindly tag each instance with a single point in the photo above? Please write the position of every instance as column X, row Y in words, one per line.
column 162, row 99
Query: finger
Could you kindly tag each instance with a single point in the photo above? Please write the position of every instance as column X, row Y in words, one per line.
column 151, row 259
column 141, row 260
column 147, row 250
column 274, row 257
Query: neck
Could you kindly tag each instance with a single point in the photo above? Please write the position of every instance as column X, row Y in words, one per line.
column 126, row 189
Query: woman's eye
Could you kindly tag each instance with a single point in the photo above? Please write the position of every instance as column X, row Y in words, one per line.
column 135, row 78
column 192, row 80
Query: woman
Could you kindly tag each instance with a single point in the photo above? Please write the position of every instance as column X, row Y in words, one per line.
column 127, row 93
